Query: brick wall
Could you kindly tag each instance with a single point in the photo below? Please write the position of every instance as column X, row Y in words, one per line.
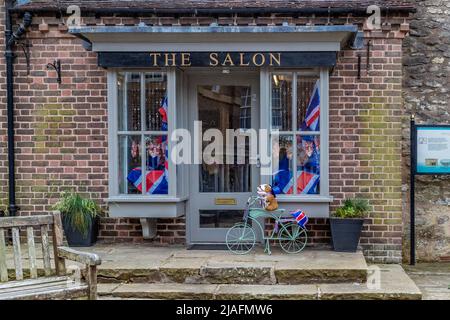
column 365, row 140
column 62, row 131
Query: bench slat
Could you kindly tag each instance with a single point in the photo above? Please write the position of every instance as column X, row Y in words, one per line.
column 17, row 253
column 58, row 241
column 33, row 287
column 52, row 292
column 32, row 252
column 46, row 250
column 28, row 282
column 12, row 222
column 3, row 267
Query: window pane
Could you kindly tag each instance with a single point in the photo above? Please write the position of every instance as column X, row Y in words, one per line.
column 308, row 164
column 283, row 178
column 129, row 101
column 282, row 102
column 222, row 108
column 157, row 169
column 156, row 102
column 130, row 156
column 308, row 103
column 220, row 218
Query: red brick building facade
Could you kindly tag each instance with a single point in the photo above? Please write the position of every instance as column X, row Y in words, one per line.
column 62, row 129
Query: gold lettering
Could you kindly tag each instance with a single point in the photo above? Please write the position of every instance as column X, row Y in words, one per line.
column 186, row 60
column 214, row 61
column 276, row 58
column 243, row 64
column 171, row 59
column 262, row 59
column 229, row 60
column 155, row 58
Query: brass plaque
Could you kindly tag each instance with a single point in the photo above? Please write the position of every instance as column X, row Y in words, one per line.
column 226, row 202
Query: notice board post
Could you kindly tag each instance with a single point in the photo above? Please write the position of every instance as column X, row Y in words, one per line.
column 430, row 155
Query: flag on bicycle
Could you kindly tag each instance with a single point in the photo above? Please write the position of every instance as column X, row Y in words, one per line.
column 301, row 218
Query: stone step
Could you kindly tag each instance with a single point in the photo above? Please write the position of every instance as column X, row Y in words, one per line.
column 203, row 267
column 395, row 284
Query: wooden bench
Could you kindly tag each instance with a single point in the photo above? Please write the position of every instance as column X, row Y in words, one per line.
column 49, row 286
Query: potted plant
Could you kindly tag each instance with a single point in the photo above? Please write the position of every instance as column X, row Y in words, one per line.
column 80, row 218
column 346, row 224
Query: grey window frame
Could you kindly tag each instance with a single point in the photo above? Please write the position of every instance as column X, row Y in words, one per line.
column 266, row 118
column 114, row 134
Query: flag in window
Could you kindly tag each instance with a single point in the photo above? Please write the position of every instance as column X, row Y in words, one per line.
column 156, row 181
column 163, row 111
column 312, row 117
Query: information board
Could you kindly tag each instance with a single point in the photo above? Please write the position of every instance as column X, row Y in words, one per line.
column 433, row 150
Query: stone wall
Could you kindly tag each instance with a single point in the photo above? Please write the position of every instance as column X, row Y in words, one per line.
column 427, row 94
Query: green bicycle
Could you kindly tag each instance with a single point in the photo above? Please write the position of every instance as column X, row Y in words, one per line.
column 241, row 238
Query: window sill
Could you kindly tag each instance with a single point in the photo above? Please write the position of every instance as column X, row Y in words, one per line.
column 305, row 199
column 146, row 207
column 144, row 199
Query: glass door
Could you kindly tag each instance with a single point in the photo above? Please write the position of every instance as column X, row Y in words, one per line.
column 227, row 110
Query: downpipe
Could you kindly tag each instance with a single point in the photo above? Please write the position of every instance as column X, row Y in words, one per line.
column 11, row 39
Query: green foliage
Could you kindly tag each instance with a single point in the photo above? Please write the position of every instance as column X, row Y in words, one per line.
column 353, row 208
column 77, row 211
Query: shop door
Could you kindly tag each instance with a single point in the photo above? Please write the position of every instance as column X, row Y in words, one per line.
column 219, row 191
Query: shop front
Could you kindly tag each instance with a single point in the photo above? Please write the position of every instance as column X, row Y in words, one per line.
column 169, row 114
column 200, row 116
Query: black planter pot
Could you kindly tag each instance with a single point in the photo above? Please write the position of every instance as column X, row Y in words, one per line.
column 346, row 233
column 76, row 239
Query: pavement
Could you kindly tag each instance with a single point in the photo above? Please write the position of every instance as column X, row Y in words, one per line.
column 433, row 279
column 333, row 275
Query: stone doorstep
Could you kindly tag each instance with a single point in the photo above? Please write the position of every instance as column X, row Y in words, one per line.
column 215, row 267
column 395, row 285
column 144, row 264
column 231, row 275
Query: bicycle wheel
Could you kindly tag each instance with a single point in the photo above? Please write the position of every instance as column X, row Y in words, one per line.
column 241, row 238
column 292, row 238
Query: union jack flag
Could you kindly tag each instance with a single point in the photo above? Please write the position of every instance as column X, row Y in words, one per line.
column 156, row 181
column 312, row 118
column 307, row 183
column 163, row 111
column 301, row 218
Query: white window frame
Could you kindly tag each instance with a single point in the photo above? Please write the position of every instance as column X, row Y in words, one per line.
column 114, row 133
column 266, row 121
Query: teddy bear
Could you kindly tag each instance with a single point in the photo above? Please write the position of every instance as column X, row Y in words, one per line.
column 268, row 196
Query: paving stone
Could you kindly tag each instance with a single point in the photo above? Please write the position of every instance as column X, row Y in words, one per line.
column 433, row 279
column 242, row 273
column 322, row 266
column 395, row 285
column 165, row 291
column 266, row 292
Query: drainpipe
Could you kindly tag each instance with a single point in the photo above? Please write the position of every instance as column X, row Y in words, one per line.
column 11, row 39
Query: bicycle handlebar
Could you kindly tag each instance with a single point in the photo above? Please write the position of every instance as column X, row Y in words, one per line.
column 251, row 201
